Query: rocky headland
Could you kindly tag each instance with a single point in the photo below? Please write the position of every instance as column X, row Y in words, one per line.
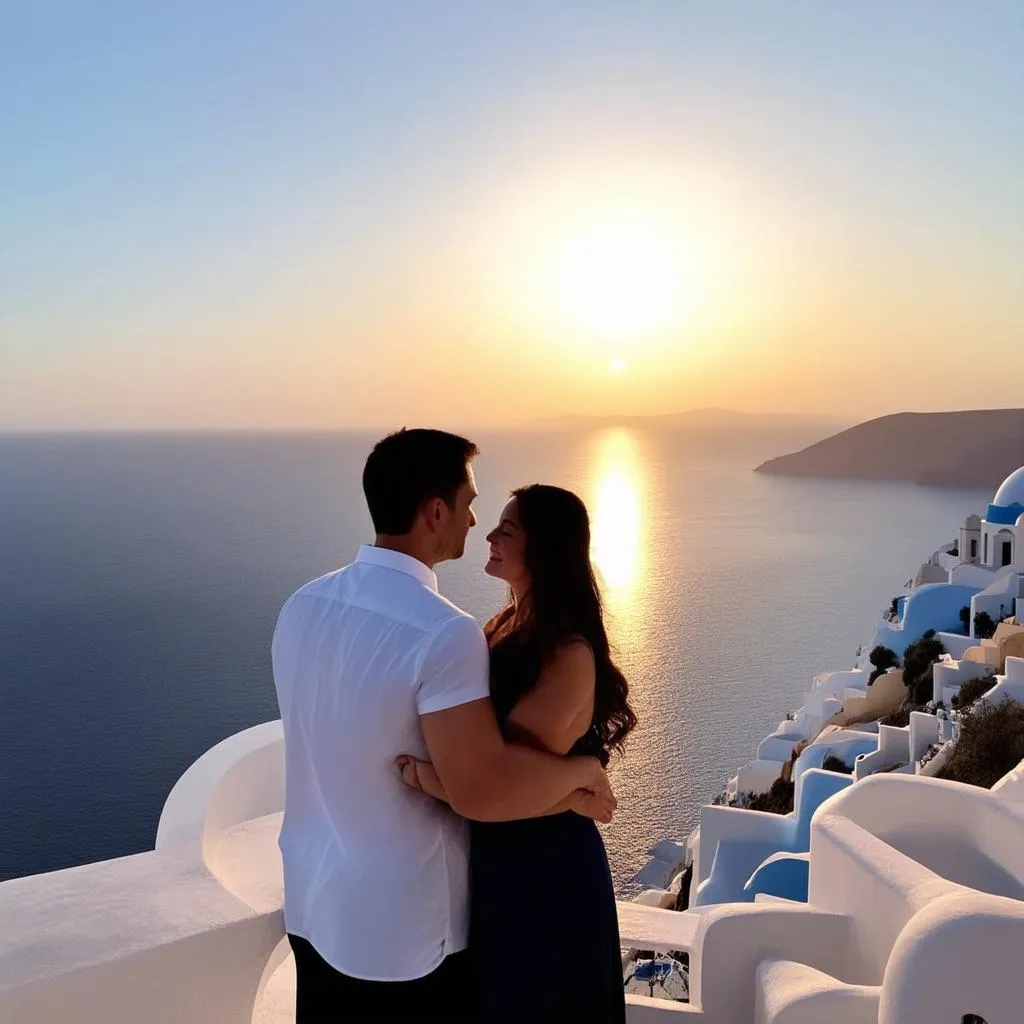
column 952, row 449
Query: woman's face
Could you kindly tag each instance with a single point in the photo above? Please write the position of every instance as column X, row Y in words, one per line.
column 508, row 547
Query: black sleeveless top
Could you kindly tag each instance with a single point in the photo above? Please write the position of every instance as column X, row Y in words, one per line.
column 552, row 868
column 514, row 672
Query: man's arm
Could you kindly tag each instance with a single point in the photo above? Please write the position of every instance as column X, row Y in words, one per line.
column 487, row 779
column 484, row 777
column 597, row 805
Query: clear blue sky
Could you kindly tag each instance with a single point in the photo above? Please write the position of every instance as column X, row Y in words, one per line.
column 268, row 214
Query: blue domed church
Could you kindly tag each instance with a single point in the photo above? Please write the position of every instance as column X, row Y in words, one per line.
column 992, row 542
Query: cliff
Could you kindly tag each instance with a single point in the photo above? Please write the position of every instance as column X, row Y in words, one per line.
column 954, row 449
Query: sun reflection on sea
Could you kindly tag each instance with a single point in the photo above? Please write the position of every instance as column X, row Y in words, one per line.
column 617, row 489
column 622, row 485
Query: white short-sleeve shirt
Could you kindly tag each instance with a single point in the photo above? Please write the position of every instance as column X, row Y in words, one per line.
column 375, row 874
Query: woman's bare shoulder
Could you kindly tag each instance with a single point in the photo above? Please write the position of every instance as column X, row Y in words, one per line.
column 574, row 657
column 576, row 648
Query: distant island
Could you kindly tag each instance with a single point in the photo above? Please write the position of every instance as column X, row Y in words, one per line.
column 952, row 449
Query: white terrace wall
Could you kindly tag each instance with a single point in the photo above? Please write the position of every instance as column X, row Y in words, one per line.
column 239, row 779
column 757, row 776
column 152, row 938
column 972, row 575
column 998, row 599
column 1008, row 685
column 948, row 676
column 190, row 932
column 956, row 644
column 893, row 748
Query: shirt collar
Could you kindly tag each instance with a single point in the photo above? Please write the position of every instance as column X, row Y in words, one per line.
column 396, row 560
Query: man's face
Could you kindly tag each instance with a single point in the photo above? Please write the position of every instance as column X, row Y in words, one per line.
column 461, row 518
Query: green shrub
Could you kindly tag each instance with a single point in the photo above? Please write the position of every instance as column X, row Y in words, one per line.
column 918, row 663
column 971, row 691
column 984, row 626
column 990, row 743
column 836, row 764
column 778, row 799
column 883, row 659
column 900, row 718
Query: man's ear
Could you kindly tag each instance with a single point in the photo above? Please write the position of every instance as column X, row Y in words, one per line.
column 432, row 513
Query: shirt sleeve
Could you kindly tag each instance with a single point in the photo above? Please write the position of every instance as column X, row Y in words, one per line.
column 456, row 667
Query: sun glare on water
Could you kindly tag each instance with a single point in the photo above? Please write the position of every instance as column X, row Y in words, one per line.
column 616, row 488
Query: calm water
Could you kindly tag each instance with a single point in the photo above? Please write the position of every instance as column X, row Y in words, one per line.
column 141, row 578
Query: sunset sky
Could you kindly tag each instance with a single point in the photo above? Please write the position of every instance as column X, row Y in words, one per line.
column 368, row 214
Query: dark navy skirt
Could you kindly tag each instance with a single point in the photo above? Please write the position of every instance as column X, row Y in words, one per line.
column 543, row 928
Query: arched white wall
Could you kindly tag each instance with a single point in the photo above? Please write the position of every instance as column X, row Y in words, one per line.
column 239, row 779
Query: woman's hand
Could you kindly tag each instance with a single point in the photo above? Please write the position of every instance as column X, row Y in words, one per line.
column 597, row 805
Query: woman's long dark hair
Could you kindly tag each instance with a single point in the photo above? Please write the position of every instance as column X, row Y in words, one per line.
column 563, row 602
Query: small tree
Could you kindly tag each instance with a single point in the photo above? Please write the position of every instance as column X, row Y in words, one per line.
column 984, row 626
column 883, row 659
column 918, row 663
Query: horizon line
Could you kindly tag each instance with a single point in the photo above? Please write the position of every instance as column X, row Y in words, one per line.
column 566, row 419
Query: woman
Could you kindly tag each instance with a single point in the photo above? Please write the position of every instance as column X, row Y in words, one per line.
column 543, row 921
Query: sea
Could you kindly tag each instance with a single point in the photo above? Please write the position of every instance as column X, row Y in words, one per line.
column 141, row 576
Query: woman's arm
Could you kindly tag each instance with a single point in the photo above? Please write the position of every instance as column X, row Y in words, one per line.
column 421, row 775
column 600, row 807
column 558, row 710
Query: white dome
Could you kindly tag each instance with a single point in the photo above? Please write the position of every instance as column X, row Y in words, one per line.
column 1012, row 490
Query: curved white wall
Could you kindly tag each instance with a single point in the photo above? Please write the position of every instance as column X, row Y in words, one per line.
column 239, row 779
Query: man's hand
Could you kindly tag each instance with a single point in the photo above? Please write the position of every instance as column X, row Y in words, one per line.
column 407, row 765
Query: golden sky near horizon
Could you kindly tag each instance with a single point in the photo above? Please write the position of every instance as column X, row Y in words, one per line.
column 514, row 226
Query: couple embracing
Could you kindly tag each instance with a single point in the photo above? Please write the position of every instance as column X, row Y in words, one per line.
column 441, row 860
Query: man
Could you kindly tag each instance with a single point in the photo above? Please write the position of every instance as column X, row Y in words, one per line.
column 370, row 662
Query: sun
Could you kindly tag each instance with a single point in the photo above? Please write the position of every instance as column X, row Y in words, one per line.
column 619, row 278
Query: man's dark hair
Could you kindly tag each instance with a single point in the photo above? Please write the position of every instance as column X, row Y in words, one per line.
column 410, row 467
